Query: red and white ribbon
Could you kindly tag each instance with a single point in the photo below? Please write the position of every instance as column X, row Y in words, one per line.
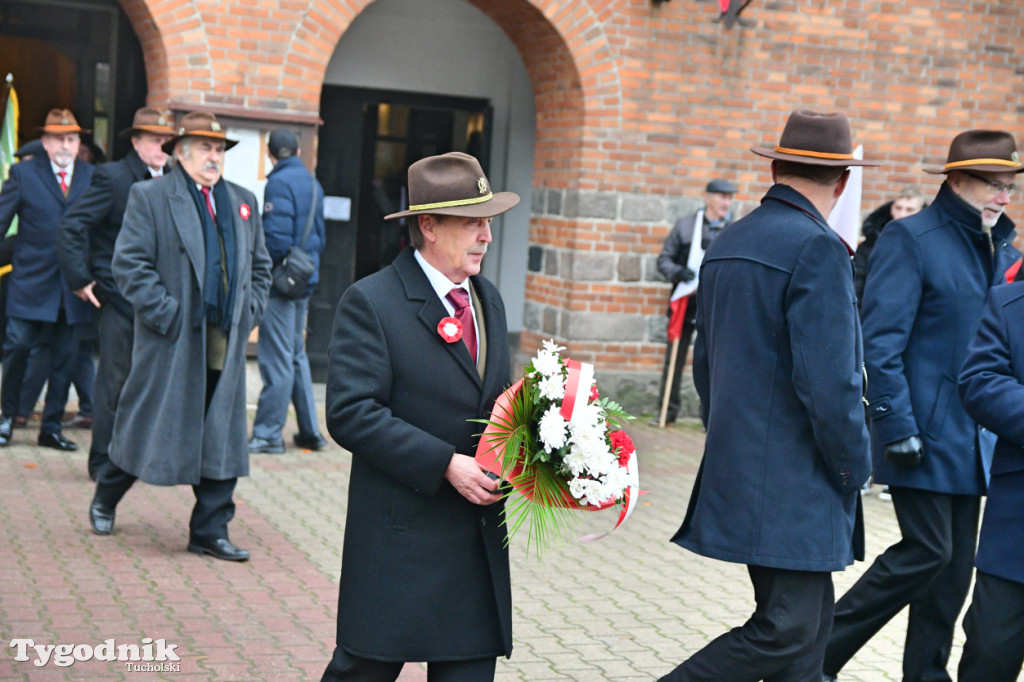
column 577, row 388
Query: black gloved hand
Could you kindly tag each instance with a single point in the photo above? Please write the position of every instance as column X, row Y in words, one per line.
column 907, row 452
column 687, row 275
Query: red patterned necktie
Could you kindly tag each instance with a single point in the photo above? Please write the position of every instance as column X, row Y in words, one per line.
column 63, row 181
column 209, row 203
column 459, row 298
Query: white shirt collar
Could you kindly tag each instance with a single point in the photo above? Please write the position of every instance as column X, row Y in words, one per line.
column 441, row 284
column 155, row 172
column 70, row 170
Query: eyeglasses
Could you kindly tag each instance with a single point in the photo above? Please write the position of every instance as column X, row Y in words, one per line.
column 994, row 187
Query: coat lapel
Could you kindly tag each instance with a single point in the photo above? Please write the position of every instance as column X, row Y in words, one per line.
column 79, row 183
column 243, row 244
column 47, row 178
column 190, row 230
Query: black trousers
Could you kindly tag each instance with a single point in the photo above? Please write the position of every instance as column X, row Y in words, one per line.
column 116, row 334
column 213, row 510
column 22, row 336
column 674, row 402
column 346, row 667
column 783, row 641
column 994, row 624
column 929, row 569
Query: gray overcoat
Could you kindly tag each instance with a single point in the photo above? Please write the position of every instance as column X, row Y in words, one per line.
column 160, row 432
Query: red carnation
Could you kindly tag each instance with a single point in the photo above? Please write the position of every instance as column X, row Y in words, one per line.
column 623, row 445
column 594, row 395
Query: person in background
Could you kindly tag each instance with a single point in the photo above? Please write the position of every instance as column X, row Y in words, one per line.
column 41, row 310
column 292, row 196
column 673, row 265
column 928, row 279
column 87, row 235
column 909, row 201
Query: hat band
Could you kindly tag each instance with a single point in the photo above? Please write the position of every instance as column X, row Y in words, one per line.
column 450, row 204
column 157, row 129
column 816, row 155
column 977, row 162
column 58, row 129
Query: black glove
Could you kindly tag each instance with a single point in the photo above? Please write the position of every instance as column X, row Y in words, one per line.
column 907, row 452
column 687, row 275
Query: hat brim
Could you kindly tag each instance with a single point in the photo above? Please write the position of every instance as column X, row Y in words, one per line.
column 155, row 130
column 811, row 160
column 168, row 146
column 496, row 205
column 989, row 168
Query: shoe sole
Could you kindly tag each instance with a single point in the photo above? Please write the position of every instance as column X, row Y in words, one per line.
column 196, row 549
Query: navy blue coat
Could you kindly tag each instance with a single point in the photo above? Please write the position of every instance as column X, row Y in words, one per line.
column 778, row 367
column 992, row 390
column 36, row 289
column 285, row 211
column 928, row 277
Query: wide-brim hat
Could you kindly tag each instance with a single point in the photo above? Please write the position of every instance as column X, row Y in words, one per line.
column 994, row 151
column 198, row 124
column 149, row 120
column 815, row 139
column 453, row 184
column 61, row 122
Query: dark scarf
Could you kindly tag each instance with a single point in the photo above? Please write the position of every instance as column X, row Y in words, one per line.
column 221, row 267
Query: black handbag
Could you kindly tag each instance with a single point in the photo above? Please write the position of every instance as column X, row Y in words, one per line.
column 291, row 276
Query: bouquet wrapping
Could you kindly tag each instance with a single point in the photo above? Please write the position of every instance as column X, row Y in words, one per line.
column 560, row 447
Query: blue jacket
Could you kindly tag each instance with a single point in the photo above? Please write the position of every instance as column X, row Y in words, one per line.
column 285, row 209
column 778, row 367
column 992, row 390
column 37, row 290
column 928, row 277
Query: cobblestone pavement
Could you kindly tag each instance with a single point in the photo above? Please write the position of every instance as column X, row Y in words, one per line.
column 628, row 607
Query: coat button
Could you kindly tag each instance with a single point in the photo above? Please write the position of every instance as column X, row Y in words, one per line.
column 483, row 521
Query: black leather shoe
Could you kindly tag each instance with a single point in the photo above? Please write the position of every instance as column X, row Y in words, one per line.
column 6, row 425
column 308, row 442
column 267, row 447
column 57, row 441
column 221, row 548
column 101, row 518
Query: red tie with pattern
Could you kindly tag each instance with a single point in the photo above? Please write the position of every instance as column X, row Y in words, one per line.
column 63, row 181
column 459, row 298
column 209, row 204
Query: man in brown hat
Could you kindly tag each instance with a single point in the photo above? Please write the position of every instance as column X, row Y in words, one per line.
column 927, row 282
column 41, row 310
column 425, row 574
column 190, row 258
column 778, row 368
column 85, row 247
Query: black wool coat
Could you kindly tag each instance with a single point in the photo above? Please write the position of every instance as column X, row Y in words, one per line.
column 425, row 575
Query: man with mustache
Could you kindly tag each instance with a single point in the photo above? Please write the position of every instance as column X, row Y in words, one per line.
column 41, row 308
column 190, row 258
column 928, row 278
column 85, row 246
column 425, row 574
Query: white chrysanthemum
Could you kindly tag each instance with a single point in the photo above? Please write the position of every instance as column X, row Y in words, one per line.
column 575, row 460
column 552, row 387
column 616, row 482
column 589, row 492
column 588, row 415
column 552, row 347
column 578, row 487
column 552, row 429
column 547, row 364
column 600, row 461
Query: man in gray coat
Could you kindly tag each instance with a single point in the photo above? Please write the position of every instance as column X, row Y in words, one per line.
column 190, row 258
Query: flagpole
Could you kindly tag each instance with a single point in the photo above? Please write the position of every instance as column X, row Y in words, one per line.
column 8, row 84
column 668, row 382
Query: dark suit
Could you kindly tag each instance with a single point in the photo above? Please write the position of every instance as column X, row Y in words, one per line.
column 992, row 389
column 40, row 304
column 85, row 248
column 777, row 364
column 425, row 576
column 928, row 277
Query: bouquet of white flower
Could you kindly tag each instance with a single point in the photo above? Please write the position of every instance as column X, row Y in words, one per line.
column 560, row 445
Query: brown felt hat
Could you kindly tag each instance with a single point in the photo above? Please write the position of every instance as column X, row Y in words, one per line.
column 198, row 124
column 994, row 151
column 61, row 122
column 815, row 139
column 149, row 120
column 453, row 184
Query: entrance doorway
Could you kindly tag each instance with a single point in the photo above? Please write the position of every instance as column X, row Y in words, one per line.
column 367, row 143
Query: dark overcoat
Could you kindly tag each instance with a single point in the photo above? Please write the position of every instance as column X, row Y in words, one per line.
column 992, row 389
column 928, row 277
column 36, row 289
column 161, row 434
column 425, row 576
column 778, row 367
column 87, row 232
